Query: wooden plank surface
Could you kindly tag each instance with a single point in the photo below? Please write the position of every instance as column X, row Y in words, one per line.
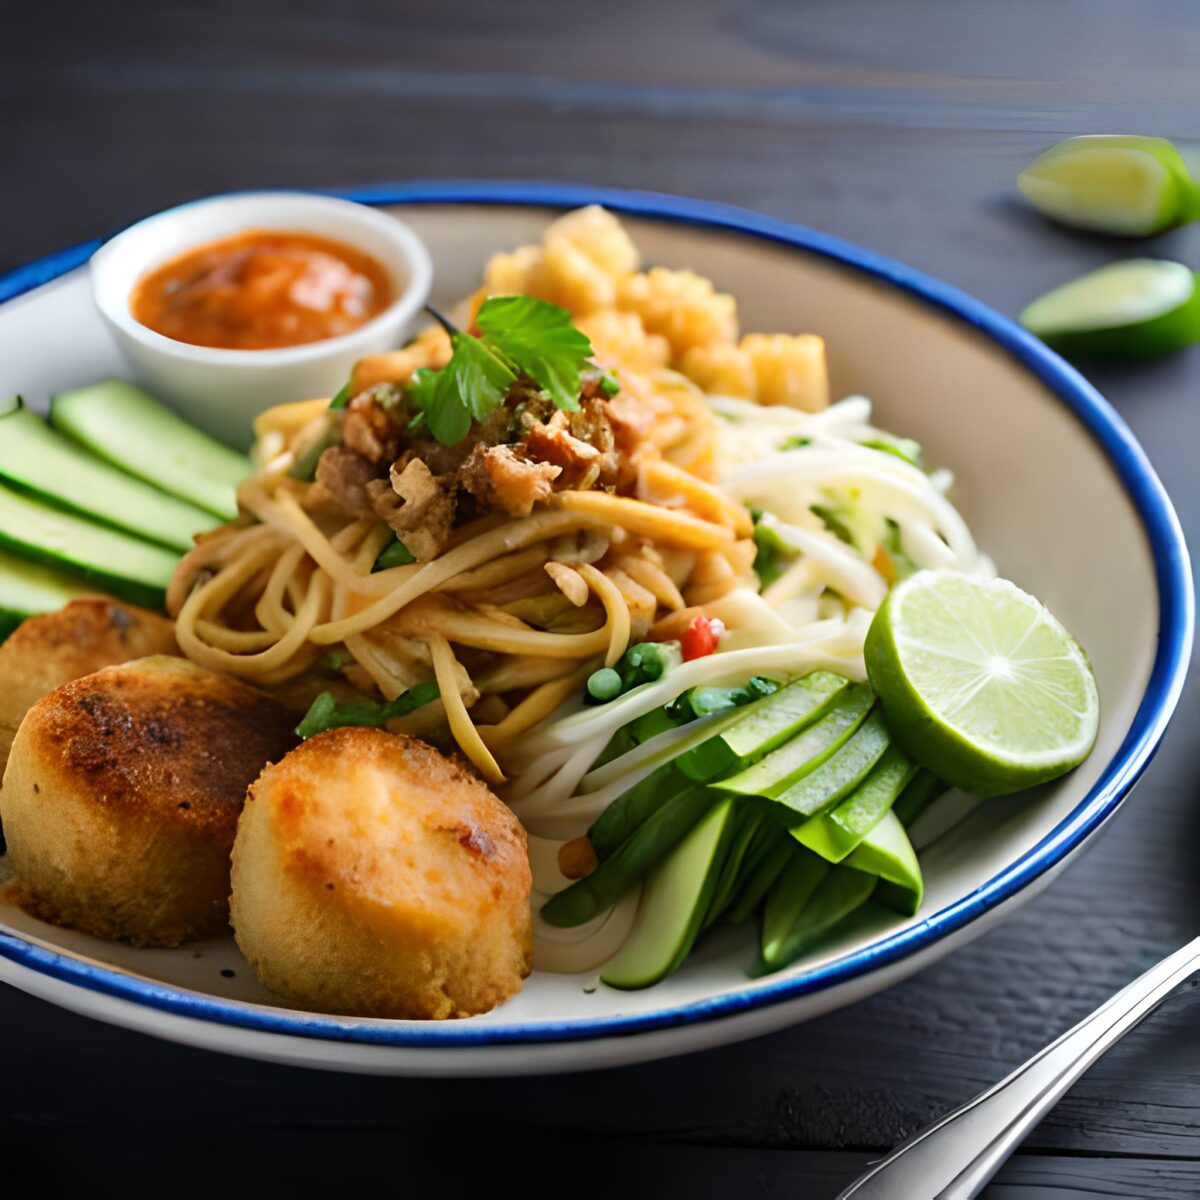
column 898, row 125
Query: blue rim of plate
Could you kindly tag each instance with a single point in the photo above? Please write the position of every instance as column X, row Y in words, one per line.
column 1176, row 617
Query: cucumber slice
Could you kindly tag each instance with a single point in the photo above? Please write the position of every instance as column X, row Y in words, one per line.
column 630, row 810
column 747, row 824
column 34, row 458
column 788, row 898
column 837, row 894
column 673, row 904
column 130, row 429
column 705, row 754
column 764, row 725
column 840, row 773
column 123, row 565
column 28, row 589
column 887, row 852
column 1135, row 309
column 834, row 834
column 760, row 875
column 1131, row 186
column 631, row 861
column 782, row 768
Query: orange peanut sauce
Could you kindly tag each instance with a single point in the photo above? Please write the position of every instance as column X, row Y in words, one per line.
column 262, row 290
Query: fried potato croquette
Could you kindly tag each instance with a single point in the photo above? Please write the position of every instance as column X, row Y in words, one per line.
column 122, row 794
column 373, row 876
column 83, row 636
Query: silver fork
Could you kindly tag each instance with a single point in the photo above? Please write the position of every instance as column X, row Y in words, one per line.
column 954, row 1158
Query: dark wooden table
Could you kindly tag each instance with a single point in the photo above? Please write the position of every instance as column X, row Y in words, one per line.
column 899, row 125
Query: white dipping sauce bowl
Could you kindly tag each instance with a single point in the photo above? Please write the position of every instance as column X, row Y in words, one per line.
column 222, row 391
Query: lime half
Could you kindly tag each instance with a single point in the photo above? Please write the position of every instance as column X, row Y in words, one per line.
column 980, row 684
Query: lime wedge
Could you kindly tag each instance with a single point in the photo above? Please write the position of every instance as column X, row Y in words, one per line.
column 980, row 684
column 1130, row 186
column 1135, row 309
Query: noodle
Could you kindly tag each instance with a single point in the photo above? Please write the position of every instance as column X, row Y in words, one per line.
column 446, row 668
column 614, row 606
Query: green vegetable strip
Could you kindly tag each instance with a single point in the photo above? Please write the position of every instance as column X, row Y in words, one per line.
column 841, row 772
column 759, row 882
column 326, row 713
column 631, row 809
column 805, row 752
column 767, row 717
column 631, row 861
column 749, row 819
column 838, row 893
column 788, row 898
column 764, row 726
column 904, row 449
column 834, row 834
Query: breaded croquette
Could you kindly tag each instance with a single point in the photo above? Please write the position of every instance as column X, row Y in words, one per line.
column 83, row 636
column 122, row 794
column 373, row 876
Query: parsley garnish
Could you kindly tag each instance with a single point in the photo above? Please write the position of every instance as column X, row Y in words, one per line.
column 519, row 336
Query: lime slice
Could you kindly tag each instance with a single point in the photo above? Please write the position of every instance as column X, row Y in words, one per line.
column 1130, row 186
column 980, row 684
column 1134, row 309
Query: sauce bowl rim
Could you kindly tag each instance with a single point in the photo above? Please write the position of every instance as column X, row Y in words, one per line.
column 113, row 303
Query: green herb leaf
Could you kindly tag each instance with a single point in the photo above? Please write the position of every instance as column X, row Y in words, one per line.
column 394, row 554
column 343, row 397
column 520, row 336
column 326, row 713
column 470, row 386
column 541, row 341
column 479, row 376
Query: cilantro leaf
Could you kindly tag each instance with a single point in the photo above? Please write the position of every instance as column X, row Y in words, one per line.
column 470, row 386
column 481, row 379
column 540, row 340
column 520, row 335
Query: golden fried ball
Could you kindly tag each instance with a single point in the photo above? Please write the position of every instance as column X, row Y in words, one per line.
column 373, row 876
column 85, row 635
column 122, row 793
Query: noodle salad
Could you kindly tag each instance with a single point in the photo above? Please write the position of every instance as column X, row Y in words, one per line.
column 693, row 484
column 579, row 626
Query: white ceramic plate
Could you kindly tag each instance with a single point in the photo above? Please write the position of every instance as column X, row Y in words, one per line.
column 1049, row 478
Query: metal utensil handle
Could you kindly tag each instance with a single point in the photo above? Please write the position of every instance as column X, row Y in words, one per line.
column 955, row 1157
